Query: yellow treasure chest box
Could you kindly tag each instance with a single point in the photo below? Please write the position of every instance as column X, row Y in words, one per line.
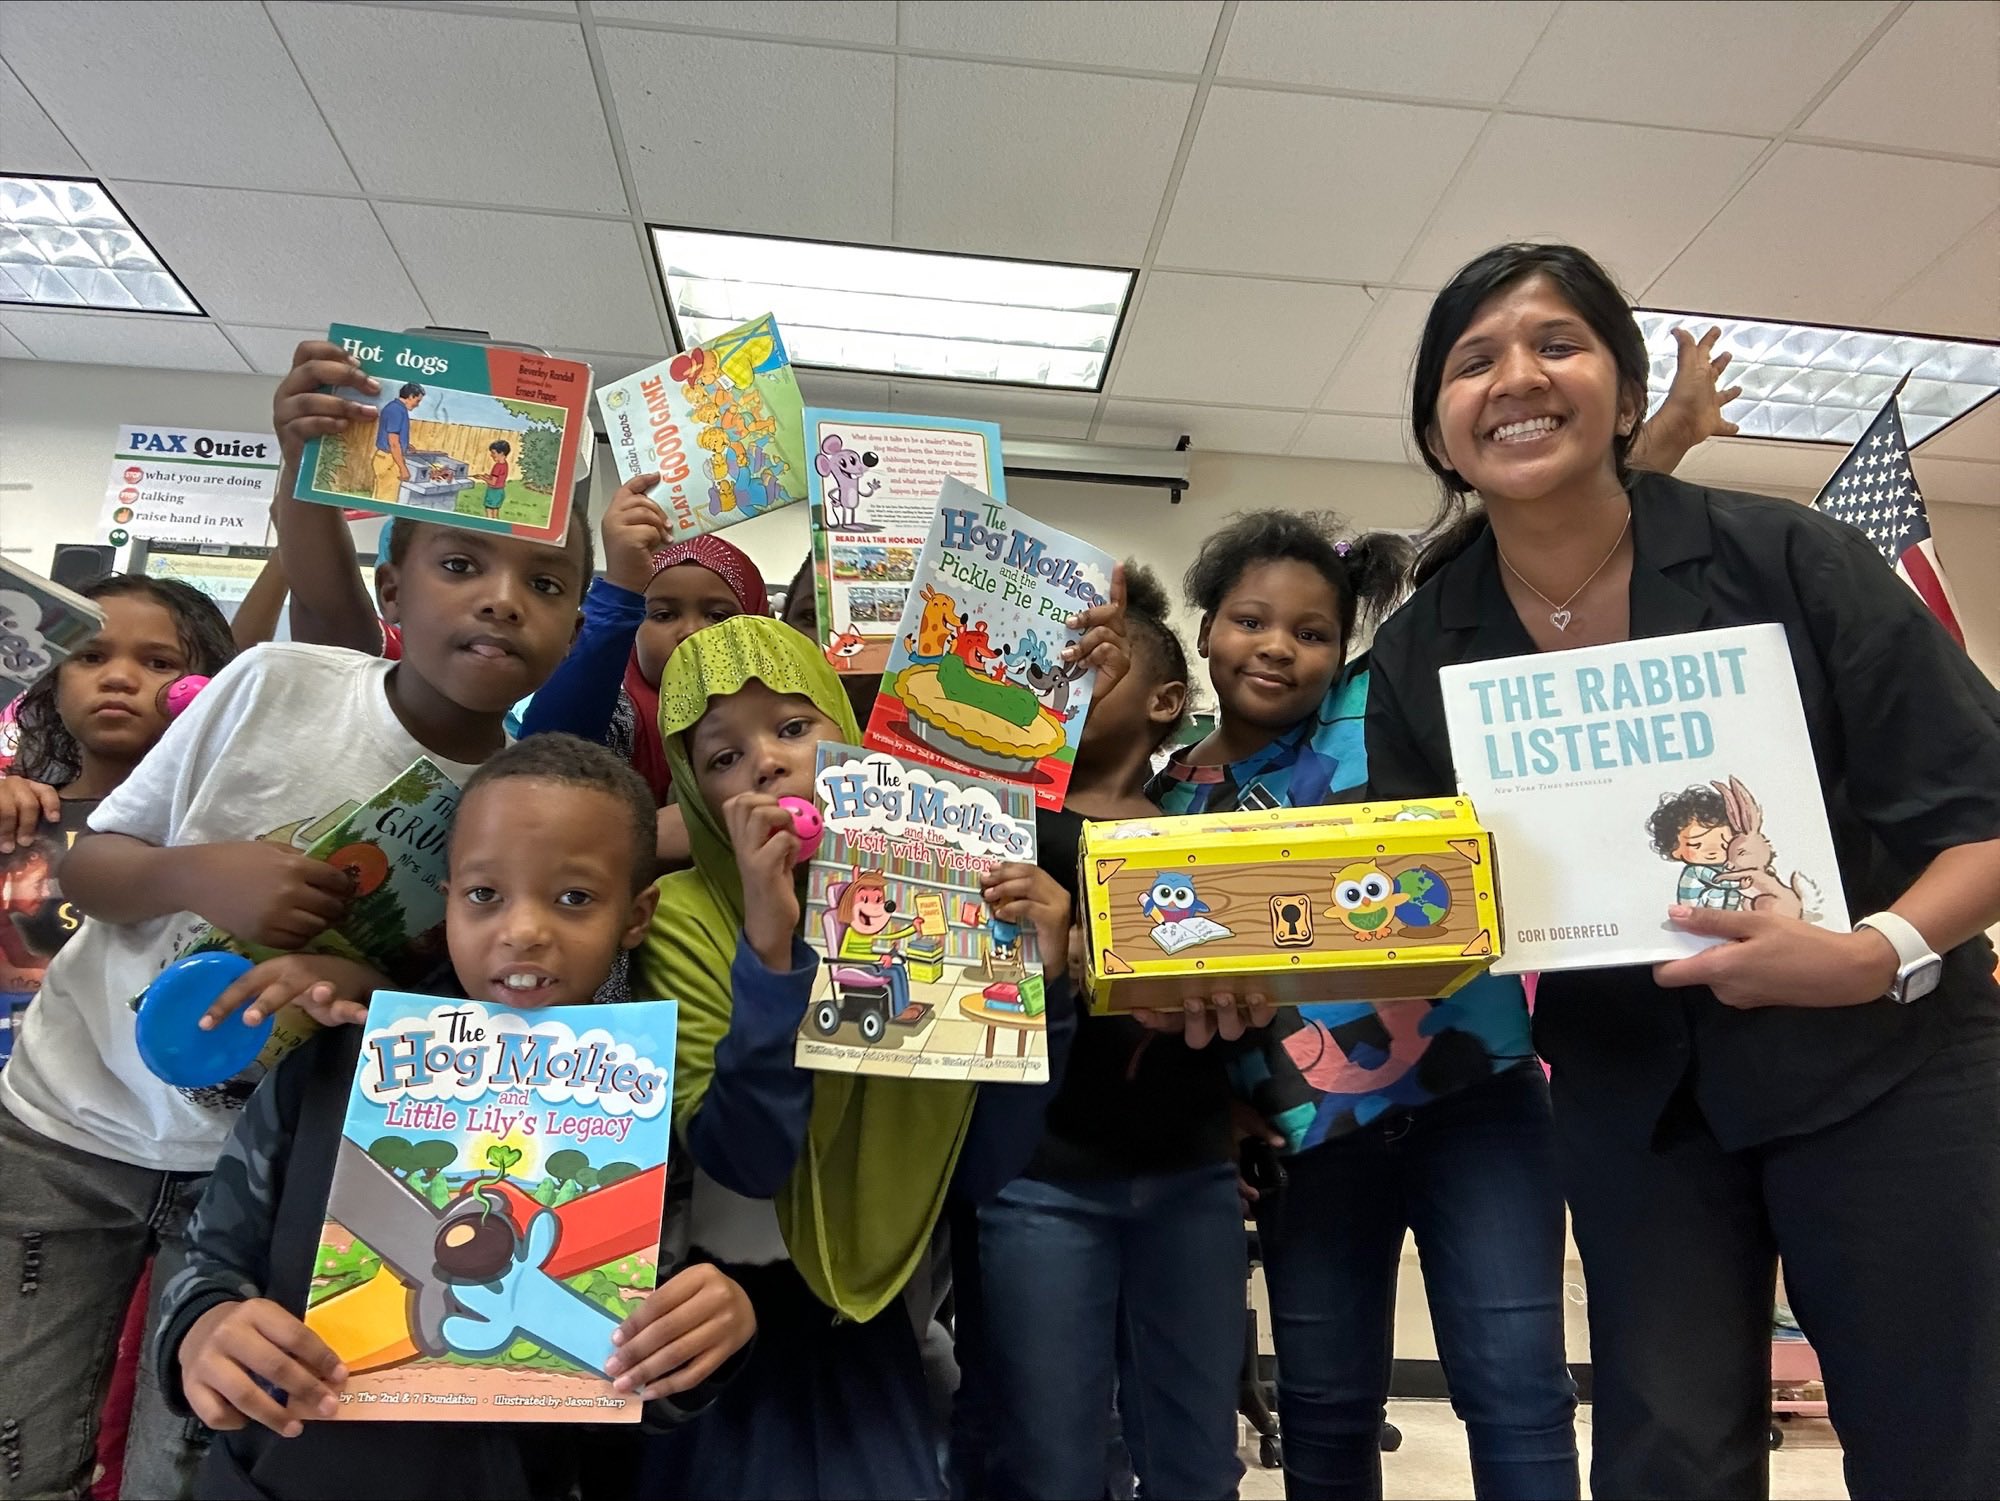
column 1358, row 901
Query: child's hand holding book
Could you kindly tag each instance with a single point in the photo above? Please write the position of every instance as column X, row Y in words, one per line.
column 1028, row 895
column 24, row 807
column 235, row 1346
column 634, row 528
column 683, row 1332
column 301, row 411
column 265, row 893
column 767, row 853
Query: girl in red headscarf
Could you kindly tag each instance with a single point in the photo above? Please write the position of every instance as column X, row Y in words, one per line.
column 653, row 595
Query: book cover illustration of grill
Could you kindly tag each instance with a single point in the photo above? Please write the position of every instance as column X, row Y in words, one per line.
column 876, row 478
column 473, row 435
column 495, row 1210
column 975, row 681
column 1365, row 901
column 1620, row 780
column 722, row 424
column 918, row 980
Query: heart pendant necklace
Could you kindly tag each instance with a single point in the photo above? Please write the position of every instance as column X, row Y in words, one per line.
column 1560, row 615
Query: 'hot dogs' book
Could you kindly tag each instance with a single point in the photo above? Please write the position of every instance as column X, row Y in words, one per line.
column 721, row 425
column 975, row 681
column 496, row 1206
column 876, row 477
column 474, row 435
column 919, row 980
column 1621, row 780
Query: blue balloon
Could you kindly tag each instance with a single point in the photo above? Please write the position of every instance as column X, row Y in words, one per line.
column 171, row 1042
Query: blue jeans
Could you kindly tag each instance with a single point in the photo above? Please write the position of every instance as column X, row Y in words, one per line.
column 1474, row 1176
column 1132, row 1284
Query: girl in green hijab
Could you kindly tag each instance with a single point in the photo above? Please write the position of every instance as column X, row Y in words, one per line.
column 821, row 1190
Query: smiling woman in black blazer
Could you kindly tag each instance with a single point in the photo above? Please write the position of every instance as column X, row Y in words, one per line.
column 1794, row 1091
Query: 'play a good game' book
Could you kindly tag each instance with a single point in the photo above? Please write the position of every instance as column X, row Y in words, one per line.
column 1621, row 780
column 876, row 477
column 496, row 1206
column 918, row 980
column 721, row 425
column 473, row 435
column 41, row 622
column 975, row 681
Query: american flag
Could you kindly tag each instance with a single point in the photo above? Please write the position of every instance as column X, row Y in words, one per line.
column 1875, row 489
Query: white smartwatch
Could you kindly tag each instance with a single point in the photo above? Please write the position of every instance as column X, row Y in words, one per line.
column 1917, row 968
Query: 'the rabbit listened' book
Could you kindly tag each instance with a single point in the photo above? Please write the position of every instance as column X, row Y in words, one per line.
column 482, row 436
column 918, row 978
column 721, row 424
column 495, row 1212
column 1621, row 780
column 975, row 681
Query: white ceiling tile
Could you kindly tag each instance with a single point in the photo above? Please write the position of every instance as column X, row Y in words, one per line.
column 1374, row 440
column 829, row 20
column 1021, row 414
column 176, row 91
column 1976, row 435
column 1959, row 295
column 558, row 7
column 605, row 368
column 1717, row 65
column 29, row 140
column 1955, row 482
column 416, row 129
column 1761, row 465
column 112, row 339
column 1219, row 429
column 1820, row 233
column 277, row 258
column 583, row 286
column 1024, row 161
column 852, row 393
column 1375, row 376
column 1445, row 49
column 1159, row 36
column 1628, row 194
column 12, row 348
column 813, row 157
column 1933, row 83
column 1276, row 183
column 1236, row 340
column 270, row 349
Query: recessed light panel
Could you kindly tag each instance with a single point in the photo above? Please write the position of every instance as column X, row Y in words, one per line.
column 64, row 243
column 900, row 312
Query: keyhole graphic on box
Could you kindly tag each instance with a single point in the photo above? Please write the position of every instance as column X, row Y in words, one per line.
column 1289, row 915
column 1291, row 921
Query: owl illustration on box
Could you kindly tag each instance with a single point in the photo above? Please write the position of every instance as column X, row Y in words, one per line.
column 1171, row 899
column 1374, row 906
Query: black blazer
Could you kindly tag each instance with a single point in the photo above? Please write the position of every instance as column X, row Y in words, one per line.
column 1906, row 732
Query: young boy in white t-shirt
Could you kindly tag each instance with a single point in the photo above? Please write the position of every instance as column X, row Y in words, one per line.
column 100, row 1161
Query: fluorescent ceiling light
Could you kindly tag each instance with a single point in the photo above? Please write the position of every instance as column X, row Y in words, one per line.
column 65, row 243
column 899, row 312
column 1814, row 384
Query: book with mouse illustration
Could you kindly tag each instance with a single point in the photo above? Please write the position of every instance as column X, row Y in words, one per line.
column 482, row 436
column 721, row 424
column 918, row 979
column 976, row 682
column 876, row 479
column 1621, row 780
column 495, row 1210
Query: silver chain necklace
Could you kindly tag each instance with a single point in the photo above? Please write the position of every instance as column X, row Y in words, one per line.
column 1560, row 615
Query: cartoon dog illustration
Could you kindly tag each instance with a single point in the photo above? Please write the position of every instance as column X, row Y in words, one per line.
column 937, row 627
column 1751, row 858
column 845, row 466
column 1052, row 685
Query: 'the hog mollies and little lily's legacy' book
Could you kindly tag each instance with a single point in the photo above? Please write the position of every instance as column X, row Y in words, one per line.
column 876, row 477
column 722, row 425
column 495, row 1212
column 474, row 435
column 1621, row 780
column 919, row 980
column 976, row 682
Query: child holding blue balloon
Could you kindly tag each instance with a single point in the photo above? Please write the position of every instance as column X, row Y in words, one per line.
column 105, row 1161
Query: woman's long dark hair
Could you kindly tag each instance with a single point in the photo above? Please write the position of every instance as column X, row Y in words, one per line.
column 47, row 751
column 1588, row 288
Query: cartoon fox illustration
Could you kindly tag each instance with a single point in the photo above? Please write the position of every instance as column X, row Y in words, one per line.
column 844, row 647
